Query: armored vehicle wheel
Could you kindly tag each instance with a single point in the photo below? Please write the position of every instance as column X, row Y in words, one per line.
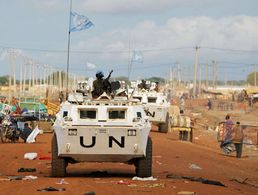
column 163, row 128
column 58, row 164
column 2, row 135
column 144, row 165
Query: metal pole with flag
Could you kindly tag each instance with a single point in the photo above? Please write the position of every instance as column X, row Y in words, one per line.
column 77, row 22
column 68, row 50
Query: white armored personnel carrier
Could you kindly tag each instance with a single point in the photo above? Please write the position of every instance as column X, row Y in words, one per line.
column 101, row 130
column 156, row 107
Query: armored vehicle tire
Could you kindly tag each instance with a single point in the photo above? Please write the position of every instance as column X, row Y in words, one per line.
column 58, row 164
column 163, row 127
column 144, row 165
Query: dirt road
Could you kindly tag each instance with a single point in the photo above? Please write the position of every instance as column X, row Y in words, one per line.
column 170, row 156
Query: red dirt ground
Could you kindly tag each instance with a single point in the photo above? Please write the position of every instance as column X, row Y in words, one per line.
column 170, row 156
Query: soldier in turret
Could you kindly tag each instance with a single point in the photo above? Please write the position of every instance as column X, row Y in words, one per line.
column 101, row 85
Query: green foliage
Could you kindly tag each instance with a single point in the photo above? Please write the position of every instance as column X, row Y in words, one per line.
column 4, row 80
column 156, row 79
column 251, row 78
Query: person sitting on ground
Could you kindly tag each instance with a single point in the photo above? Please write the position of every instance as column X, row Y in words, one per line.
column 26, row 132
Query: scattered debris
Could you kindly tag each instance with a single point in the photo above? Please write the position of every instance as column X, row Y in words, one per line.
column 30, row 156
column 244, row 182
column 90, row 193
column 162, row 185
column 29, row 177
column 144, row 179
column 132, row 185
column 17, row 177
column 194, row 166
column 45, row 158
column 146, row 191
column 62, row 181
column 50, row 189
column 185, row 193
column 200, row 179
column 124, row 182
column 32, row 137
column 26, row 170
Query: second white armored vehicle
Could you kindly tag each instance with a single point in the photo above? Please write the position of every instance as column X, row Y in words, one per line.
column 156, row 107
column 101, row 130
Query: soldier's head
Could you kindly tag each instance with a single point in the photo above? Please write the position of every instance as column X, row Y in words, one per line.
column 99, row 75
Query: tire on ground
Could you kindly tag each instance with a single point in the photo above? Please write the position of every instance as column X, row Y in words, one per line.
column 163, row 127
column 144, row 165
column 58, row 164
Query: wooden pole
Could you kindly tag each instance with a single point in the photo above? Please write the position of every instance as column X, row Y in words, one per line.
column 216, row 74
column 195, row 70
column 21, row 75
column 254, row 75
column 24, row 76
column 200, row 78
column 213, row 74
column 207, row 75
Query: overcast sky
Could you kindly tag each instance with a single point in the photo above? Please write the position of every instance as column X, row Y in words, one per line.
column 166, row 31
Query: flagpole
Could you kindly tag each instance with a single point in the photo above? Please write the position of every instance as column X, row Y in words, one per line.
column 68, row 50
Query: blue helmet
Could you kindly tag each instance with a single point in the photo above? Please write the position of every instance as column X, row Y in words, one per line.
column 99, row 74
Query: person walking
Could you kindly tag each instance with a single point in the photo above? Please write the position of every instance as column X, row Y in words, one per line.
column 238, row 137
column 209, row 104
column 228, row 135
column 183, row 134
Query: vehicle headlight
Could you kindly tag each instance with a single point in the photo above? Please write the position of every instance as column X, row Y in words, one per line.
column 131, row 132
column 68, row 118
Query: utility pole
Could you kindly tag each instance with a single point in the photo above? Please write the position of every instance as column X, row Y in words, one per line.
column 189, row 74
column 207, row 75
column 200, row 78
column 195, row 70
column 30, row 67
column 255, row 75
column 213, row 75
column 178, row 74
column 171, row 78
column 226, row 79
column 183, row 74
column 216, row 74
column 21, row 78
column 24, row 75
column 14, row 73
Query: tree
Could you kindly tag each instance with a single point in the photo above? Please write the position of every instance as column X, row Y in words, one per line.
column 4, row 80
column 156, row 79
column 251, row 78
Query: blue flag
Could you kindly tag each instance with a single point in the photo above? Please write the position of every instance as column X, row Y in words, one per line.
column 79, row 22
column 137, row 57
